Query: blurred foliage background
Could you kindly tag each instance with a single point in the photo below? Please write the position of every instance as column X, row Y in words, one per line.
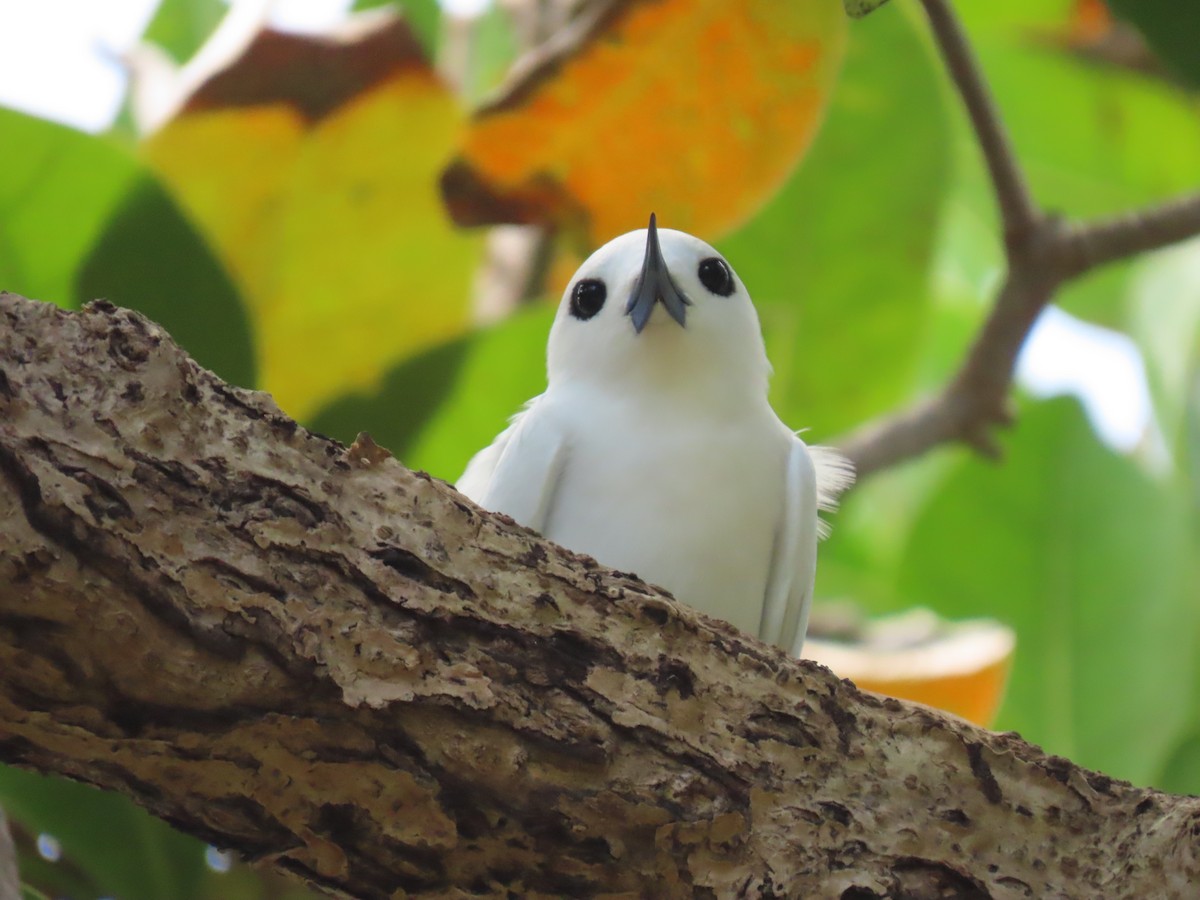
column 295, row 220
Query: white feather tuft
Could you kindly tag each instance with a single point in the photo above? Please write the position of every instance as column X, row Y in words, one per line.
column 835, row 473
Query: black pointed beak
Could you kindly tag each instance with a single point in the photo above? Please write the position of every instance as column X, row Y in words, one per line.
column 654, row 285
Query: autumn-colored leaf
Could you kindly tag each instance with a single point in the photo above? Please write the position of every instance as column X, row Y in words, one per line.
column 1091, row 31
column 1090, row 20
column 311, row 163
column 695, row 109
column 961, row 667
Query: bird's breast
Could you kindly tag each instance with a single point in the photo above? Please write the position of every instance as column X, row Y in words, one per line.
column 691, row 503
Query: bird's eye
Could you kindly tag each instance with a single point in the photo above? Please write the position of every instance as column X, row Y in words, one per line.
column 715, row 275
column 587, row 298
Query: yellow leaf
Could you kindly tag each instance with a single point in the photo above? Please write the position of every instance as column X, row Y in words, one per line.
column 311, row 164
column 695, row 109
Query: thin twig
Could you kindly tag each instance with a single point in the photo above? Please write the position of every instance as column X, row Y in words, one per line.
column 1094, row 244
column 976, row 399
column 1041, row 252
column 1017, row 208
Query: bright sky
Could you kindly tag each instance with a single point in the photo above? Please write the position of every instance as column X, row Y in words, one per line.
column 1103, row 367
column 61, row 59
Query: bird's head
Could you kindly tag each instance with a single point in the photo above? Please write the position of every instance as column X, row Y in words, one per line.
column 662, row 309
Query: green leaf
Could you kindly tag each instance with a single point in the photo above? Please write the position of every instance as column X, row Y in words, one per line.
column 150, row 258
column 80, row 219
column 1170, row 27
column 435, row 411
column 45, row 879
column 1103, row 141
column 1164, row 319
column 1013, row 19
column 408, row 396
column 1087, row 558
column 425, row 17
column 182, row 26
column 58, row 187
column 505, row 367
column 493, row 49
column 837, row 262
column 1181, row 774
column 1181, row 771
column 870, row 532
column 128, row 852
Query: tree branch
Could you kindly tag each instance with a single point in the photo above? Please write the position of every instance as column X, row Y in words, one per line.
column 345, row 669
column 1017, row 209
column 1094, row 244
column 1041, row 254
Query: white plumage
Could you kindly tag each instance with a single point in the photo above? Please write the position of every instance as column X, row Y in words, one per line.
column 654, row 448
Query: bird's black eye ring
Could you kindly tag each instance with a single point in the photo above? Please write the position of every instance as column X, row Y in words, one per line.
column 587, row 298
column 714, row 274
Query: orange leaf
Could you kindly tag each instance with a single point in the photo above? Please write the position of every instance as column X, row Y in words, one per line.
column 961, row 667
column 311, row 164
column 695, row 109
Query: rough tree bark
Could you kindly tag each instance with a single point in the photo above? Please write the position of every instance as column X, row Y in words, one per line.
column 323, row 660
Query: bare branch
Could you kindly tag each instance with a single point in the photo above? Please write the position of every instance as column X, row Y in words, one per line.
column 1094, row 244
column 1017, row 209
column 976, row 399
column 1042, row 253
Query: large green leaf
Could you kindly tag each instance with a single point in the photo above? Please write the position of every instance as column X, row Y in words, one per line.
column 837, row 263
column 1164, row 319
column 408, row 396
column 494, row 47
column 80, row 219
column 58, row 188
column 128, row 852
column 182, row 26
column 150, row 258
column 1104, row 140
column 506, row 367
column 437, row 409
column 1086, row 557
column 1181, row 772
column 425, row 17
column 1013, row 20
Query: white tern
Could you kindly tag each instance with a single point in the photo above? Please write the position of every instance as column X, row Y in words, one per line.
column 654, row 448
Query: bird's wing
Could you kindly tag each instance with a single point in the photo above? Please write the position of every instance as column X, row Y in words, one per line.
column 794, row 558
column 517, row 473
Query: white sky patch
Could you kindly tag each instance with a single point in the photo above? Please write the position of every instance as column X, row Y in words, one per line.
column 68, row 52
column 61, row 57
column 1065, row 355
column 307, row 16
column 218, row 860
column 465, row 9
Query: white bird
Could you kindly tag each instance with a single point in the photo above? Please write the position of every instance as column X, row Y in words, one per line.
column 654, row 448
